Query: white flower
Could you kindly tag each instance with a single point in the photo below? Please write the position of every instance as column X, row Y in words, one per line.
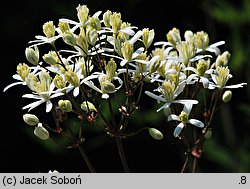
column 220, row 76
column 183, row 119
column 43, row 91
column 169, row 92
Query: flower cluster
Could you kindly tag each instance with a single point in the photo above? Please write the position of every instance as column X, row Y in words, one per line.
column 98, row 58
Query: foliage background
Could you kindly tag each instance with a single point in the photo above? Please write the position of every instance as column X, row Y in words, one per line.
column 227, row 150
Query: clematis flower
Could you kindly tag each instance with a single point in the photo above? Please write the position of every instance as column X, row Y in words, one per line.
column 169, row 93
column 43, row 91
column 184, row 120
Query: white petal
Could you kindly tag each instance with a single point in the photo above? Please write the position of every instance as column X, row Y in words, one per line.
column 173, row 117
column 187, row 108
column 123, row 62
column 178, row 129
column 166, row 105
column 32, row 96
column 137, row 52
column 105, row 96
column 127, row 30
column 196, row 122
column 11, row 85
column 135, row 37
column 152, row 95
column 186, row 101
column 33, row 104
column 76, row 91
column 235, row 86
column 205, row 82
column 49, row 106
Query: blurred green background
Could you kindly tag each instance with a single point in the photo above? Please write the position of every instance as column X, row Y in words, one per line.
column 227, row 151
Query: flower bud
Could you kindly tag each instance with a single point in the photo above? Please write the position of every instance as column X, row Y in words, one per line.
column 51, row 58
column 91, row 35
column 106, row 18
column 64, row 26
column 127, row 50
column 41, row 132
column 49, row 29
column 88, row 107
column 30, row 119
column 65, row 105
column 111, row 68
column 202, row 67
column 81, row 40
column 107, row 86
column 82, row 13
column 69, row 38
column 115, row 22
column 201, row 40
column 59, row 82
column 222, row 60
column 23, row 70
column 154, row 66
column 226, row 97
column 188, row 35
column 95, row 23
column 173, row 36
column 156, row 134
column 72, row 78
column 147, row 37
column 32, row 55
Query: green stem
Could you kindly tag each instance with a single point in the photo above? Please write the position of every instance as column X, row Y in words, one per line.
column 122, row 154
column 86, row 159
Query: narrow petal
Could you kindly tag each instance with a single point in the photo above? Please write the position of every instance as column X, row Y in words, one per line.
column 33, row 105
column 187, row 108
column 49, row 106
column 166, row 105
column 178, row 129
column 173, row 117
column 152, row 95
column 137, row 52
column 235, row 86
column 196, row 122
column 186, row 101
column 11, row 85
column 31, row 96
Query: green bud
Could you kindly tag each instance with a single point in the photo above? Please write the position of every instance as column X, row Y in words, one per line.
column 201, row 40
column 107, row 86
column 82, row 13
column 64, row 27
column 23, row 70
column 51, row 58
column 30, row 119
column 147, row 37
column 111, row 68
column 41, row 132
column 81, row 40
column 115, row 22
column 127, row 50
column 222, row 60
column 72, row 78
column 88, row 107
column 106, row 18
column 32, row 55
column 154, row 66
column 226, row 97
column 59, row 82
column 65, row 105
column 173, row 36
column 49, row 29
column 156, row 134
column 95, row 23
column 69, row 38
column 91, row 35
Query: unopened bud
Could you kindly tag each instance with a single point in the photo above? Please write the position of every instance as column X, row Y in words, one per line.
column 147, row 37
column 88, row 107
column 30, row 119
column 41, row 132
column 49, row 29
column 91, row 35
column 222, row 60
column 32, row 55
column 65, row 105
column 156, row 134
column 51, row 58
column 127, row 50
column 226, row 97
column 173, row 36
